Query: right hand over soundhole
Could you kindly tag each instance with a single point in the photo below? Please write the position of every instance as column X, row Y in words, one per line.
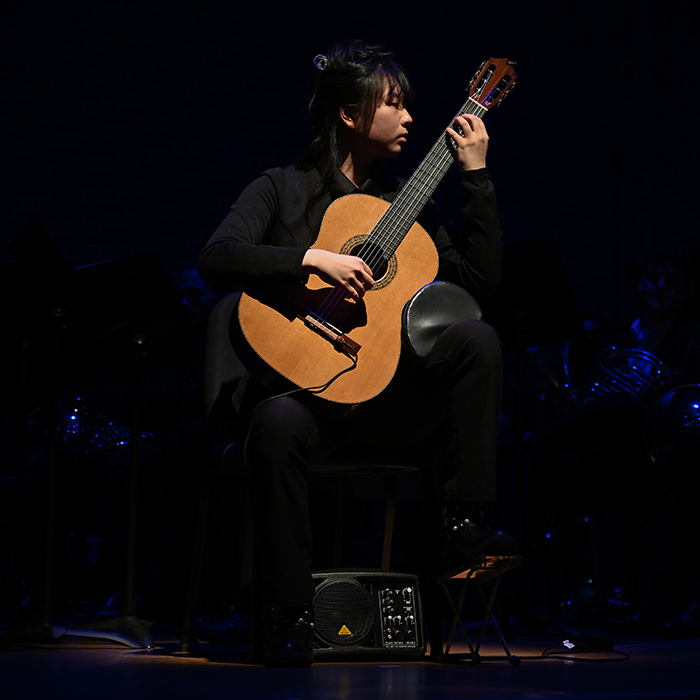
column 344, row 271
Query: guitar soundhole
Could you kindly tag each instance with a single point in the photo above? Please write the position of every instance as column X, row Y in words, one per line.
column 383, row 270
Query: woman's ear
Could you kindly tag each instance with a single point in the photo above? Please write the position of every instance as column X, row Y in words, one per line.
column 348, row 116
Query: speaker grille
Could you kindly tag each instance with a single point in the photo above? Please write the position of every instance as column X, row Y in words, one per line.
column 343, row 612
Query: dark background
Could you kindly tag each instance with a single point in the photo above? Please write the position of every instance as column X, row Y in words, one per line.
column 131, row 127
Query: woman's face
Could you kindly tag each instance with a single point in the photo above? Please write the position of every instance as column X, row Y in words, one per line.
column 389, row 127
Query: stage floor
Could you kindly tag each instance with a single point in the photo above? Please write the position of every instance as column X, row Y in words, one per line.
column 76, row 668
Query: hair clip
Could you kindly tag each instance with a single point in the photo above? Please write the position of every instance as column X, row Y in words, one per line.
column 321, row 61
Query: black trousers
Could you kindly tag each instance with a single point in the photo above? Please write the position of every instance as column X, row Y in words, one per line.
column 460, row 383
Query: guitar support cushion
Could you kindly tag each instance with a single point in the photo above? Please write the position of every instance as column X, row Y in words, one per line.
column 431, row 310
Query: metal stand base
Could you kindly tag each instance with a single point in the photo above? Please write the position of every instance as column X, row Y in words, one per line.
column 130, row 631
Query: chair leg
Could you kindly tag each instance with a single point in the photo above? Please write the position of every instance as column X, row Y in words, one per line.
column 429, row 553
column 338, row 511
column 389, row 518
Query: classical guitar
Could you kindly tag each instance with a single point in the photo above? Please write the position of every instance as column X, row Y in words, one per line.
column 316, row 336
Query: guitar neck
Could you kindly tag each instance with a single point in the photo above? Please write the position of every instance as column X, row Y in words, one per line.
column 421, row 185
column 414, row 195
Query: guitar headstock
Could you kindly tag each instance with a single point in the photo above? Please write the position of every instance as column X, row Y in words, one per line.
column 492, row 82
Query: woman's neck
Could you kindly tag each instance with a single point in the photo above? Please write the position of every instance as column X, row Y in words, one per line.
column 355, row 169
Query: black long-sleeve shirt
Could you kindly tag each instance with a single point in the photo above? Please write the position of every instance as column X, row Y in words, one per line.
column 269, row 229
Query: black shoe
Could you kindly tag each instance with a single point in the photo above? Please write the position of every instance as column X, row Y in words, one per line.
column 291, row 638
column 464, row 538
column 684, row 625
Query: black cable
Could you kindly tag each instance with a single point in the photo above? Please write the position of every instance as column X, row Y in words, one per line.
column 591, row 646
column 312, row 389
column 619, row 656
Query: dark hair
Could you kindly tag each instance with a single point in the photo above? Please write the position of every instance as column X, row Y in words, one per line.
column 352, row 74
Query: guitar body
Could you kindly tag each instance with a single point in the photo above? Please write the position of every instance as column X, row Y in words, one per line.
column 274, row 326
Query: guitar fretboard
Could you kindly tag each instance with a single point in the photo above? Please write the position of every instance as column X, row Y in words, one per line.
column 403, row 211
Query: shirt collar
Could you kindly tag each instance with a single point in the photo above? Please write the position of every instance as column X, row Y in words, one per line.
column 376, row 184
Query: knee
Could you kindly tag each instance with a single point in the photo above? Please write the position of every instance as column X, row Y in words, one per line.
column 471, row 341
column 485, row 337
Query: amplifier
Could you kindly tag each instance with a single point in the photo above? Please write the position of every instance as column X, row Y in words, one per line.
column 371, row 613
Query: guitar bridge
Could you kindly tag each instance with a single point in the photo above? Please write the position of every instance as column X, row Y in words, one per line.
column 342, row 342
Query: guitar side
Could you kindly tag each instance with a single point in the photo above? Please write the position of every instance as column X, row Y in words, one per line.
column 279, row 335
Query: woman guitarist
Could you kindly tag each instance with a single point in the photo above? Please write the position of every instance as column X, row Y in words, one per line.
column 359, row 103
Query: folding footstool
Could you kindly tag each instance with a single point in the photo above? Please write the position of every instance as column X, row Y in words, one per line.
column 484, row 568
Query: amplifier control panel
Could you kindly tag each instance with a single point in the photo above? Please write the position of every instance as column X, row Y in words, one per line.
column 399, row 618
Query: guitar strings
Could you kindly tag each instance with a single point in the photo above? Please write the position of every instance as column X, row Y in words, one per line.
column 398, row 219
column 395, row 223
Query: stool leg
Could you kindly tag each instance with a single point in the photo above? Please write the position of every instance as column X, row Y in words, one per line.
column 489, row 615
column 488, row 607
column 457, row 616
